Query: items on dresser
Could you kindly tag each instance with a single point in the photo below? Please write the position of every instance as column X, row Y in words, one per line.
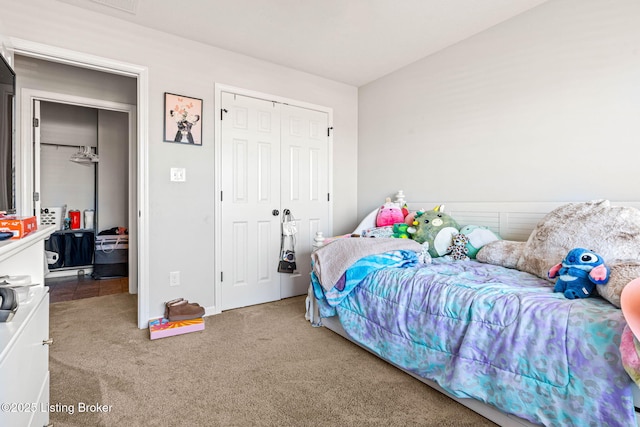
column 8, row 304
column 22, row 286
column 20, row 226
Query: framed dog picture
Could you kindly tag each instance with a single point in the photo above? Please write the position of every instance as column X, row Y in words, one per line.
column 182, row 119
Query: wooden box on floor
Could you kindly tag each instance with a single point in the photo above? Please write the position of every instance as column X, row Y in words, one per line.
column 161, row 327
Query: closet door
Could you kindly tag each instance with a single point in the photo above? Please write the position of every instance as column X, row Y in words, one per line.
column 250, row 195
column 304, row 185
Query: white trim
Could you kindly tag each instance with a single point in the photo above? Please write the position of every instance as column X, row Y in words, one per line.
column 74, row 58
column 141, row 73
column 219, row 88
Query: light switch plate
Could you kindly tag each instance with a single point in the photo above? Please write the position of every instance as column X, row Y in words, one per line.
column 178, row 174
column 174, row 278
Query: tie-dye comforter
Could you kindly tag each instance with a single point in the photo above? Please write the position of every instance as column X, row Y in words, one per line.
column 494, row 334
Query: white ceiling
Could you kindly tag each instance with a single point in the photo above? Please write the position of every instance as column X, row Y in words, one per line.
column 350, row 41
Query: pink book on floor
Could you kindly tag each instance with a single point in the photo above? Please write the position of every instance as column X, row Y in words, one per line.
column 161, row 327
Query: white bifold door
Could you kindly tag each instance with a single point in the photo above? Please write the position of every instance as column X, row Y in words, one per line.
column 274, row 158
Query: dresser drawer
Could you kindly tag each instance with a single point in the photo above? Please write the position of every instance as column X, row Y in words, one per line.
column 25, row 363
column 41, row 417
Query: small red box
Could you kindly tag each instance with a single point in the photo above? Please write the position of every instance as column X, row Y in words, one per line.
column 20, row 226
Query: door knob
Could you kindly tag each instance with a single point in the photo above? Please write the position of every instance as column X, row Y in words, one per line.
column 275, row 212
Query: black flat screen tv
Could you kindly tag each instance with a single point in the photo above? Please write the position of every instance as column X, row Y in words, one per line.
column 7, row 163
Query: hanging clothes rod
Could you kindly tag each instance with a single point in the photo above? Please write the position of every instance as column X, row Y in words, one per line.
column 52, row 144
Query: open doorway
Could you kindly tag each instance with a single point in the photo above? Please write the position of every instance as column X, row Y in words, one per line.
column 139, row 218
column 81, row 158
column 68, row 125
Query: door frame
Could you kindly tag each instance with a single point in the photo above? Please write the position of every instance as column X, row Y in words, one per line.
column 219, row 88
column 139, row 207
column 28, row 96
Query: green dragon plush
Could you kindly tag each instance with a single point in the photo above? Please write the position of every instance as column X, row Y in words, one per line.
column 437, row 228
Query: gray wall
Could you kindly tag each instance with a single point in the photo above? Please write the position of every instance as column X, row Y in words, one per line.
column 113, row 170
column 64, row 182
column 190, row 251
column 63, row 129
column 543, row 107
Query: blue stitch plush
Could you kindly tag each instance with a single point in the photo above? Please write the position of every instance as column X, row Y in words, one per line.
column 579, row 273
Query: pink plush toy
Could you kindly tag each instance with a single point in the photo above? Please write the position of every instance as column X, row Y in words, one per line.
column 629, row 344
column 388, row 214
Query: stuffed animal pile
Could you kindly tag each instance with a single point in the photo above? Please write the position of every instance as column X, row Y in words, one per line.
column 436, row 230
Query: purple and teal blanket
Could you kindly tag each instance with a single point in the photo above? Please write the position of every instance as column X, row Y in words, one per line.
column 490, row 333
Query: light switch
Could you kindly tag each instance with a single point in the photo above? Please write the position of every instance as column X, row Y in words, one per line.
column 178, row 174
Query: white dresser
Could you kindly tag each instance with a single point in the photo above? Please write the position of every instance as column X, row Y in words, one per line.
column 24, row 341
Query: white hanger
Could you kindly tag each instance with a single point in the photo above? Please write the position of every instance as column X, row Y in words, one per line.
column 84, row 155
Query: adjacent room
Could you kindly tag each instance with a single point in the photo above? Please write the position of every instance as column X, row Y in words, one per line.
column 221, row 164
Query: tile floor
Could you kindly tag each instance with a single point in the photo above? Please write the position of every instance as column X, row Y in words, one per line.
column 74, row 287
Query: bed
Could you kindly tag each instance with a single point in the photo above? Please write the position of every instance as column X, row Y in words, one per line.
column 491, row 336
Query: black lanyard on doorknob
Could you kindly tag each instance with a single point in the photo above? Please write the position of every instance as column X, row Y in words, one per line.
column 287, row 263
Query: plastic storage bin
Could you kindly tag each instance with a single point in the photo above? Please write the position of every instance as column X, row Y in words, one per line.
column 111, row 257
column 53, row 216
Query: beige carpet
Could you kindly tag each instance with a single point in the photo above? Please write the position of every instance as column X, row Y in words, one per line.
column 255, row 366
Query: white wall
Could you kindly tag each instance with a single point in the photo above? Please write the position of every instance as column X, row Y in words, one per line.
column 181, row 225
column 545, row 106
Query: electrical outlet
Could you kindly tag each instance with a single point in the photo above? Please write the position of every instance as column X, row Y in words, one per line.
column 174, row 278
column 178, row 174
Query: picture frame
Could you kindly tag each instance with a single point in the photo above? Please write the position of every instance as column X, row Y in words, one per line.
column 182, row 119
